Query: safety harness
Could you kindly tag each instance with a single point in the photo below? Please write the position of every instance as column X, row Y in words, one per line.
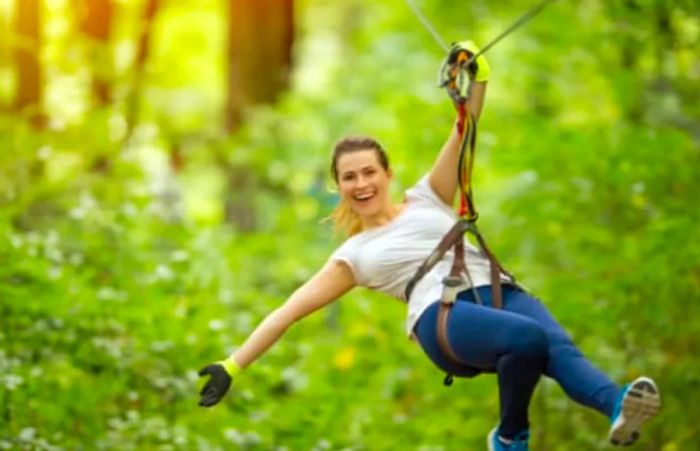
column 454, row 77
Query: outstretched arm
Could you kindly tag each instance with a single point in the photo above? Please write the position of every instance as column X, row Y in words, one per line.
column 331, row 282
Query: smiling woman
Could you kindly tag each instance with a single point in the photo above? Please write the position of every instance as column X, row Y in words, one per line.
column 360, row 168
column 493, row 326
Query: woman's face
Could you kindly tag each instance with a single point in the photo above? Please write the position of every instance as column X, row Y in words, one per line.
column 362, row 182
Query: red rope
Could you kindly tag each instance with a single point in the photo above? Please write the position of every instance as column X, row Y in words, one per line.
column 461, row 129
column 461, row 117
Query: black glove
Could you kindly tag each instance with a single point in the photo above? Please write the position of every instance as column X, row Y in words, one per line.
column 216, row 387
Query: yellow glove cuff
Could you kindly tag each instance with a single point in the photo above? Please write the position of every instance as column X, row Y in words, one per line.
column 231, row 366
column 483, row 71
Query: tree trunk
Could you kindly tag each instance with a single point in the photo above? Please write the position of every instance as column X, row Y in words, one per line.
column 144, row 49
column 261, row 36
column 96, row 23
column 29, row 74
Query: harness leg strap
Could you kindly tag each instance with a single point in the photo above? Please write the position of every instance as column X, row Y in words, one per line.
column 496, row 292
column 443, row 316
column 452, row 283
column 449, row 296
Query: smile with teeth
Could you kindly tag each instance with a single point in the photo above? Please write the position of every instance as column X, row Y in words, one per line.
column 363, row 196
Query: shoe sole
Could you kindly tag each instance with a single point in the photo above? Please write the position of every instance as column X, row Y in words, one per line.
column 641, row 403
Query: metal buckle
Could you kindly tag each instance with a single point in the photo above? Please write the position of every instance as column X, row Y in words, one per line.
column 451, row 286
column 454, row 74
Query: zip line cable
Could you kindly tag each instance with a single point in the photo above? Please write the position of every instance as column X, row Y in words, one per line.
column 517, row 24
column 426, row 23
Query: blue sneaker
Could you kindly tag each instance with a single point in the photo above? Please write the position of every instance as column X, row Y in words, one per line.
column 519, row 442
column 638, row 402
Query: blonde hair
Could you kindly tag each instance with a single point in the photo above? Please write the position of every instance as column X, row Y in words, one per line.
column 345, row 220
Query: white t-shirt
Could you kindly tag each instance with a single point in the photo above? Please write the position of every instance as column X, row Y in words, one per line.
column 385, row 258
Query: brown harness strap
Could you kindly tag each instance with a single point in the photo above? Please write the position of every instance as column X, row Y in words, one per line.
column 454, row 239
column 495, row 268
column 496, row 292
column 447, row 241
column 443, row 342
column 452, row 284
column 454, row 281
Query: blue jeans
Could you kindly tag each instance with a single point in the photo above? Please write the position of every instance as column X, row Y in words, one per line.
column 518, row 343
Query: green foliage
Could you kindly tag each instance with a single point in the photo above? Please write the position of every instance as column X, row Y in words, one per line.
column 120, row 276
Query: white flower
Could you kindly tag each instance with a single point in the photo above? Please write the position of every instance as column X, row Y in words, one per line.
column 12, row 381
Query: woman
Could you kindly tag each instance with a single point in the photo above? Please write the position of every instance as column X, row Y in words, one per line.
column 386, row 245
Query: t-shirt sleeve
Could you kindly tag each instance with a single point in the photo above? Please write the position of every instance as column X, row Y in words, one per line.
column 423, row 192
column 347, row 253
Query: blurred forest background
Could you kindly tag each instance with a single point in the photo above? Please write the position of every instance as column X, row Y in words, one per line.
column 163, row 172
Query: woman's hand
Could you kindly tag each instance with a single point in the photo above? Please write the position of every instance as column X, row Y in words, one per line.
column 479, row 70
column 217, row 386
column 331, row 282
